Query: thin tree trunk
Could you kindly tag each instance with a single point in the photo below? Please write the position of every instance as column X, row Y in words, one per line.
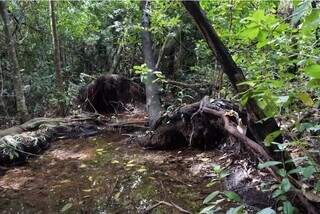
column 234, row 73
column 17, row 81
column 152, row 89
column 56, row 46
column 116, row 60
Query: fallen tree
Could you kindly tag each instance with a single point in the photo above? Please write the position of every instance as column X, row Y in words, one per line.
column 210, row 123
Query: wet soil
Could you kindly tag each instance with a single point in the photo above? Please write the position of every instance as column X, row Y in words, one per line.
column 107, row 174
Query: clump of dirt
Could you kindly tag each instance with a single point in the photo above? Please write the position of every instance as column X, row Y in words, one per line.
column 109, row 94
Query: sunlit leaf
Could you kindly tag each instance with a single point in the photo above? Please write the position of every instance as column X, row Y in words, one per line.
column 313, row 71
column 210, row 197
column 268, row 164
column 267, row 211
column 232, row 196
column 236, row 210
column 305, row 98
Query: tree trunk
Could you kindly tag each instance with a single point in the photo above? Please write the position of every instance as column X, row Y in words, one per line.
column 116, row 60
column 56, row 46
column 152, row 89
column 17, row 81
column 234, row 73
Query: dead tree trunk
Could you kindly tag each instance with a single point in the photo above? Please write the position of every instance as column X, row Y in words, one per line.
column 230, row 68
column 17, row 81
column 152, row 89
column 56, row 46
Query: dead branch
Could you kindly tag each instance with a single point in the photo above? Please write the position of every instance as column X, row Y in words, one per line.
column 170, row 204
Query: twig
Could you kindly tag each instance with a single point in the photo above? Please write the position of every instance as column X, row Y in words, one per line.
column 170, row 204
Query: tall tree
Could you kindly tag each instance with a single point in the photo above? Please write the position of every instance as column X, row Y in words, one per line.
column 259, row 130
column 152, row 89
column 14, row 65
column 56, row 46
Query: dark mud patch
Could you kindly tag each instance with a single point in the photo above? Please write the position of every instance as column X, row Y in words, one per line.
column 103, row 174
column 109, row 174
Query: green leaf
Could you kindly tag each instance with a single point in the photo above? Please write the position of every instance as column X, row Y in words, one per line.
column 313, row 19
column 282, row 172
column 268, row 164
column 208, row 210
column 232, row 196
column 307, row 172
column 66, row 207
column 300, row 11
column 288, row 208
column 314, row 83
column 210, row 197
column 285, row 185
column 270, row 137
column 250, row 33
column 313, row 71
column 305, row 98
column 236, row 210
column 267, row 211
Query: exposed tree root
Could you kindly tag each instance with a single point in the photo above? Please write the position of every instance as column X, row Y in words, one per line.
column 208, row 123
column 109, row 94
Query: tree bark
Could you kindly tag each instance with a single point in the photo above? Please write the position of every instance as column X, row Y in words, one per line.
column 258, row 130
column 56, row 46
column 17, row 81
column 116, row 59
column 152, row 89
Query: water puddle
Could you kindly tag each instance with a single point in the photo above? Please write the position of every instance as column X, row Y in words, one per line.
column 105, row 174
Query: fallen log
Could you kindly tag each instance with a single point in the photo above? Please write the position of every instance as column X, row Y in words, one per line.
column 31, row 138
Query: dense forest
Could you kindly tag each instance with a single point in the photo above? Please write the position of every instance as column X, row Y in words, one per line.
column 130, row 106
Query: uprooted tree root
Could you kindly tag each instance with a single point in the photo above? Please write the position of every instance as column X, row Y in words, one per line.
column 109, row 94
column 187, row 126
column 210, row 123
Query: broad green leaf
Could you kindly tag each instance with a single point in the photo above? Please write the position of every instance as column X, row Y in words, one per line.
column 313, row 19
column 282, row 172
column 270, row 137
column 267, row 211
column 232, row 196
column 236, row 210
column 288, row 208
column 250, row 33
column 313, row 71
column 285, row 185
column 308, row 171
column 268, row 164
column 305, row 98
column 314, row 83
column 210, row 197
column 296, row 170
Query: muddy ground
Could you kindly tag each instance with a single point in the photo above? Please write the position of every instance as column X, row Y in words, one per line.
column 106, row 174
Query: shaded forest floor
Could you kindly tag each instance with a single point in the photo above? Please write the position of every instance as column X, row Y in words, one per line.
column 105, row 173
column 112, row 173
